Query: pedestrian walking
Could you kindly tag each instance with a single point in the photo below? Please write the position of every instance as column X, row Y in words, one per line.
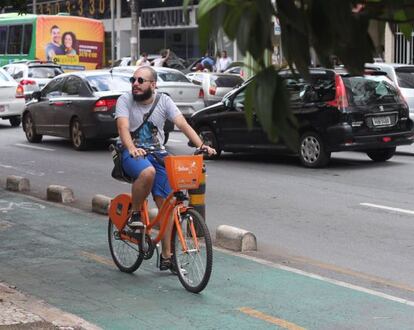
column 223, row 62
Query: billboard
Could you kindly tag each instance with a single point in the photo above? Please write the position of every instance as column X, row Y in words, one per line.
column 75, row 43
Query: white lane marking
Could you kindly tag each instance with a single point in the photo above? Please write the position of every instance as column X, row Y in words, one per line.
column 174, row 140
column 35, row 173
column 318, row 277
column 33, row 147
column 388, row 208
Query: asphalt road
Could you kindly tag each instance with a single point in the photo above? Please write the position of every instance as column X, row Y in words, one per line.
column 350, row 221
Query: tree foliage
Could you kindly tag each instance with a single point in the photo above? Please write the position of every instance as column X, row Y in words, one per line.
column 330, row 27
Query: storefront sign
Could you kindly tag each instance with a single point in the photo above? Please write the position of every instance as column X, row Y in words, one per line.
column 173, row 17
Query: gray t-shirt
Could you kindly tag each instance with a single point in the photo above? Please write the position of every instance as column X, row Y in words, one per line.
column 154, row 128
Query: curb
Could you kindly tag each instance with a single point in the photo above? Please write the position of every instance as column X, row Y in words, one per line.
column 100, row 204
column 17, row 183
column 235, row 239
column 60, row 194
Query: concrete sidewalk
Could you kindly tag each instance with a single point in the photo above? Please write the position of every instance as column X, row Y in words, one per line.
column 21, row 312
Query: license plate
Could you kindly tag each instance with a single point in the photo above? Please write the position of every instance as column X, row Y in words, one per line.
column 2, row 108
column 380, row 121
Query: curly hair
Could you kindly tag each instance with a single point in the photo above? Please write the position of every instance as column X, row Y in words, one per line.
column 74, row 41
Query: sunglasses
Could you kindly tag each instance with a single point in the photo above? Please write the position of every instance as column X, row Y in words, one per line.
column 139, row 79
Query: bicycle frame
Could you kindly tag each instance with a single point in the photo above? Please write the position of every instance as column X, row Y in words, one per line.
column 119, row 211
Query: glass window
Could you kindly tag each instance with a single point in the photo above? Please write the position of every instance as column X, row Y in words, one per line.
column 53, row 88
column 4, row 76
column 106, row 82
column 44, row 71
column 15, row 39
column 238, row 101
column 405, row 76
column 370, row 90
column 72, row 86
column 172, row 76
column 226, row 81
column 27, row 38
column 3, row 35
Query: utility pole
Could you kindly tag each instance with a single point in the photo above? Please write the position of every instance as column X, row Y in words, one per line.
column 34, row 5
column 112, row 32
column 134, row 31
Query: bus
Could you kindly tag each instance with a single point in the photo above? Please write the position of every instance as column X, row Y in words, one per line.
column 75, row 43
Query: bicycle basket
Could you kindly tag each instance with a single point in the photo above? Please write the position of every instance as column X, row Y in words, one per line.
column 184, row 172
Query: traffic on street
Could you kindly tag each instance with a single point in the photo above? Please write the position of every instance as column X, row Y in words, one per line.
column 176, row 165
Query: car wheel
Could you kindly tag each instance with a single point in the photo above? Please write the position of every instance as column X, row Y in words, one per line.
column 15, row 121
column 209, row 138
column 77, row 135
column 381, row 155
column 30, row 129
column 312, row 151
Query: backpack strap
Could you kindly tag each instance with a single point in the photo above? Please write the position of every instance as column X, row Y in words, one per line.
column 149, row 113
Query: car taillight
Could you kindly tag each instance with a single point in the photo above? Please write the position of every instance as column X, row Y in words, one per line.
column 104, row 105
column 27, row 82
column 212, row 90
column 341, row 100
column 201, row 94
column 19, row 92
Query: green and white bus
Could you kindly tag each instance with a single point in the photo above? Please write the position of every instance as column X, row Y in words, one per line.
column 76, row 43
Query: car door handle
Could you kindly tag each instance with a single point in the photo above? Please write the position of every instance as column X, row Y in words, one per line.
column 68, row 102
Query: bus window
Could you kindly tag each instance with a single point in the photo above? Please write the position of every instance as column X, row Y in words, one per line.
column 3, row 35
column 27, row 38
column 15, row 39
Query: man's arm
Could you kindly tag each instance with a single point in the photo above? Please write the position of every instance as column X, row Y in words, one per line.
column 188, row 131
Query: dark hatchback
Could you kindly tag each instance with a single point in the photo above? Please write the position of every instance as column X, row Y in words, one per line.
column 335, row 112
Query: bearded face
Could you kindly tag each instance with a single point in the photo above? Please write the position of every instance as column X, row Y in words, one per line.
column 141, row 93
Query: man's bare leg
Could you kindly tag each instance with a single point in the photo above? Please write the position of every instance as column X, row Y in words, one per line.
column 166, row 240
column 141, row 188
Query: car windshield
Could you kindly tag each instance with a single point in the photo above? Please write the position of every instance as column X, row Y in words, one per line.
column 226, row 80
column 108, row 82
column 168, row 76
column 405, row 76
column 47, row 72
column 370, row 90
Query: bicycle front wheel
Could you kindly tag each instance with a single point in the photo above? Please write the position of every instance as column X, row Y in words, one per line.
column 126, row 254
column 193, row 262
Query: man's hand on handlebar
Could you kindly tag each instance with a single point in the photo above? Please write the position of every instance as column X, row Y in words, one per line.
column 208, row 150
column 137, row 152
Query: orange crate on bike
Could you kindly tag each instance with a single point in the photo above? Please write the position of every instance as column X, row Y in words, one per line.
column 184, row 172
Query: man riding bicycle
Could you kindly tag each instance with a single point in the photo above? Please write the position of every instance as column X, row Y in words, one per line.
column 140, row 116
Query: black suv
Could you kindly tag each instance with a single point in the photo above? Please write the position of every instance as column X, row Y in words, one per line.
column 335, row 111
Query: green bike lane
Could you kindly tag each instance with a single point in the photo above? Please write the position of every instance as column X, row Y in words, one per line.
column 61, row 255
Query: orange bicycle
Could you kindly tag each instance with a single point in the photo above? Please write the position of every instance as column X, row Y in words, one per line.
column 190, row 239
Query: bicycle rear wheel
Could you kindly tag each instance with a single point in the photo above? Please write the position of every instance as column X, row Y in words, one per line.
column 193, row 265
column 126, row 254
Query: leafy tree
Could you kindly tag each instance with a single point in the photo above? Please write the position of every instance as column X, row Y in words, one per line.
column 330, row 27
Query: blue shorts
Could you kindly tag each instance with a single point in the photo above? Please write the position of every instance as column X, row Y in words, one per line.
column 134, row 166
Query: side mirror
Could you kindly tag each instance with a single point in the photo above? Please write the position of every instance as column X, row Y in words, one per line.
column 37, row 95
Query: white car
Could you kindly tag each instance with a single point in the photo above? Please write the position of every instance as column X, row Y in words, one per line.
column 187, row 96
column 32, row 75
column 215, row 85
column 402, row 75
column 11, row 99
